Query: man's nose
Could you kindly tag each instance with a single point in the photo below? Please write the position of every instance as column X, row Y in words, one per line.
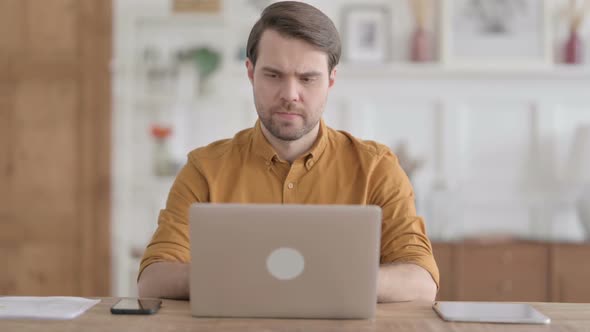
column 289, row 90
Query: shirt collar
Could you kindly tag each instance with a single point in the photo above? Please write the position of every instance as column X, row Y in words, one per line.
column 320, row 143
column 261, row 145
column 264, row 149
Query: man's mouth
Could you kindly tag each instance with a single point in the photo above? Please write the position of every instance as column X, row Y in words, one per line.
column 288, row 115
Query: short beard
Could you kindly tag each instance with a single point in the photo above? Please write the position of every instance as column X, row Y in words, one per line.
column 275, row 128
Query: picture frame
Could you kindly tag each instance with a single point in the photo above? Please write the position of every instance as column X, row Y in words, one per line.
column 366, row 33
column 496, row 34
column 196, row 6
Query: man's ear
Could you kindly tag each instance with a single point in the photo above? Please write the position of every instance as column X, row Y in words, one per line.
column 332, row 78
column 250, row 68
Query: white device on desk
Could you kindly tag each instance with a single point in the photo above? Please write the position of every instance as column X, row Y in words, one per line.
column 284, row 261
column 490, row 312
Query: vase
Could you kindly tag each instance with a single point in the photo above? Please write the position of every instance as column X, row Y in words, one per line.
column 420, row 51
column 163, row 165
column 573, row 48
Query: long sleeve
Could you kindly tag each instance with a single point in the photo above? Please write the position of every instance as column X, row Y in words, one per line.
column 170, row 242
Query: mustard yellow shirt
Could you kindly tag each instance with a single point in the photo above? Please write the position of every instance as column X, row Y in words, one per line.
column 338, row 169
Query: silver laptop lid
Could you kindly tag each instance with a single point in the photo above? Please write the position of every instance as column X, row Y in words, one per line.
column 290, row 261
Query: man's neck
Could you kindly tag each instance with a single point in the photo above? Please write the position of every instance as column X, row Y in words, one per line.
column 291, row 150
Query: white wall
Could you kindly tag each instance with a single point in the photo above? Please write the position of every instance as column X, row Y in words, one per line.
column 495, row 143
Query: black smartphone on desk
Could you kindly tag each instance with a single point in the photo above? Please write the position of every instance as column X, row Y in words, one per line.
column 134, row 306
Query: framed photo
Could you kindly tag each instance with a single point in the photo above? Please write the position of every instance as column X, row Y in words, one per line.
column 511, row 34
column 366, row 33
column 196, row 6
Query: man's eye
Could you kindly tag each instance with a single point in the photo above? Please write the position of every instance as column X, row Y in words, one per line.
column 271, row 75
column 307, row 79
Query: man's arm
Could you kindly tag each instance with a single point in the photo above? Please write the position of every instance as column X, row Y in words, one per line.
column 395, row 282
column 164, row 269
column 168, row 280
column 398, row 282
column 408, row 270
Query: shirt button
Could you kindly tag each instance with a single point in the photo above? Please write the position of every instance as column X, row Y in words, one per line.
column 290, row 185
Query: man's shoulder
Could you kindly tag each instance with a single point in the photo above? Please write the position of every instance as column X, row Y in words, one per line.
column 223, row 147
column 368, row 148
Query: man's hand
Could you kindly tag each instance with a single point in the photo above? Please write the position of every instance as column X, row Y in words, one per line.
column 165, row 280
column 404, row 282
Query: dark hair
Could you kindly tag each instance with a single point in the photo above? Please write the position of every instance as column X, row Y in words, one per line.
column 297, row 20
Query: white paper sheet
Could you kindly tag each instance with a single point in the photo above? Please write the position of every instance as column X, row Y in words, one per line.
column 58, row 307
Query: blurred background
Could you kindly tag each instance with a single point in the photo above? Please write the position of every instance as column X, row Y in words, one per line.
column 485, row 102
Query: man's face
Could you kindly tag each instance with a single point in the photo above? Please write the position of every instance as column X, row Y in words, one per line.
column 290, row 84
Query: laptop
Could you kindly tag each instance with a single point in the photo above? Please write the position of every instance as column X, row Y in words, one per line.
column 284, row 261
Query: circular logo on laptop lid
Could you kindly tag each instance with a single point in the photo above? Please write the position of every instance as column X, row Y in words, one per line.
column 285, row 263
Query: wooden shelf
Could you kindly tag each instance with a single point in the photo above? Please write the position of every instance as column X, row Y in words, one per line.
column 438, row 71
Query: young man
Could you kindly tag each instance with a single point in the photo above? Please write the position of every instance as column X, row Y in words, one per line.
column 290, row 156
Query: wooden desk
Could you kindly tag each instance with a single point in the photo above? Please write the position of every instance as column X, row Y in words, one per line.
column 175, row 316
